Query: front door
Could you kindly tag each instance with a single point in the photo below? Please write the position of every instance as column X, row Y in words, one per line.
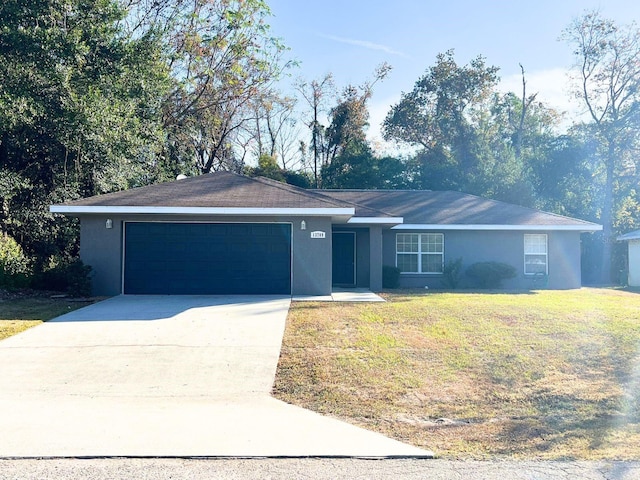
column 344, row 258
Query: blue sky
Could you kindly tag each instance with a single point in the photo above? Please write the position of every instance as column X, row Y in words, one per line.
column 349, row 38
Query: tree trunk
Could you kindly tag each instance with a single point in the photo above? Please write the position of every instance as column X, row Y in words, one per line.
column 4, row 150
column 607, row 216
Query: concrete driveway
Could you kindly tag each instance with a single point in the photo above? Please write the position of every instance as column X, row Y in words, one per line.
column 163, row 376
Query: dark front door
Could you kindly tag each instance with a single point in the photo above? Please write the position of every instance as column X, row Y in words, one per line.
column 207, row 258
column 344, row 258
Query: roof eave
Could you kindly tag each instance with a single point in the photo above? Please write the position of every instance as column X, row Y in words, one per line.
column 521, row 227
column 627, row 237
column 376, row 220
column 74, row 210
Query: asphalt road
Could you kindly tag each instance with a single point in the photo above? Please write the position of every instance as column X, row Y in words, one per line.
column 310, row 468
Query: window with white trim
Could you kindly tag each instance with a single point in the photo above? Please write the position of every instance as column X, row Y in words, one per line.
column 420, row 252
column 535, row 254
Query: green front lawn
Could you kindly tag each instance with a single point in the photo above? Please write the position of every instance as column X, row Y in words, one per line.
column 544, row 374
column 19, row 314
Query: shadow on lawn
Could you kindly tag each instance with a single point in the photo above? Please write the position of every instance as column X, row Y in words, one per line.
column 40, row 308
column 417, row 292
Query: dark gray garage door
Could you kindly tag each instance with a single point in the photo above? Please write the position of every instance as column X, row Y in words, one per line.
column 207, row 258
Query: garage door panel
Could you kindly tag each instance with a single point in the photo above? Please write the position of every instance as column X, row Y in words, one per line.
column 195, row 258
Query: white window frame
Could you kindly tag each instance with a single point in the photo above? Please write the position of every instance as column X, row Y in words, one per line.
column 535, row 253
column 420, row 253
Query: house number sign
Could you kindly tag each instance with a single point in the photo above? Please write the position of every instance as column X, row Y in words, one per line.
column 318, row 234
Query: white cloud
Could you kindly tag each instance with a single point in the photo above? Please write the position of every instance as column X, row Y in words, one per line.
column 366, row 44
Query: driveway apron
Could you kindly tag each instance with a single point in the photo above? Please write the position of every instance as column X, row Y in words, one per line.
column 163, row 376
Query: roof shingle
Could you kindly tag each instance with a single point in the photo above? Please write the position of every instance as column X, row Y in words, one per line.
column 422, row 207
column 427, row 207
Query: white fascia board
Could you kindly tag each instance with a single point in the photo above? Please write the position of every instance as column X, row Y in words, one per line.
column 567, row 228
column 376, row 220
column 109, row 210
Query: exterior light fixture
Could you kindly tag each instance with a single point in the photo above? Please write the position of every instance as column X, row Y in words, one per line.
column 303, row 225
column 108, row 223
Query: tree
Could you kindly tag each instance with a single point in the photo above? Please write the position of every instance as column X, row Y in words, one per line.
column 79, row 112
column 437, row 115
column 276, row 130
column 607, row 82
column 437, row 106
column 315, row 93
column 349, row 119
column 511, row 138
column 268, row 167
column 358, row 168
column 221, row 57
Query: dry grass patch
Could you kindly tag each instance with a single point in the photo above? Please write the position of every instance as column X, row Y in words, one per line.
column 19, row 314
column 547, row 374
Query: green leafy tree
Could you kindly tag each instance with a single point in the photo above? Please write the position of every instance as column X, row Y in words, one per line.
column 15, row 267
column 268, row 167
column 79, row 112
column 358, row 168
column 438, row 117
column 349, row 119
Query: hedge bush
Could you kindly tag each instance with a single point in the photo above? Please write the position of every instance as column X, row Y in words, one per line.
column 452, row 273
column 490, row 274
column 70, row 276
column 390, row 276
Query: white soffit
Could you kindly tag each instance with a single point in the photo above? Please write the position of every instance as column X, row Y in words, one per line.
column 570, row 228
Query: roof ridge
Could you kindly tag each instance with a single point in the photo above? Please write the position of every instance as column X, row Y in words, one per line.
column 358, row 204
column 313, row 193
column 376, row 190
column 288, row 187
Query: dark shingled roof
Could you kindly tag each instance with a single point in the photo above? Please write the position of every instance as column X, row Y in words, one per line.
column 223, row 190
column 220, row 189
column 424, row 207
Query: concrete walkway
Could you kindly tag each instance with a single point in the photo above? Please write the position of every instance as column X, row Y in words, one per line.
column 174, row 376
column 342, row 295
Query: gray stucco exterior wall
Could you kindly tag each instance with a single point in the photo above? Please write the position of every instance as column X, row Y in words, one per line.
column 376, row 257
column 501, row 246
column 102, row 249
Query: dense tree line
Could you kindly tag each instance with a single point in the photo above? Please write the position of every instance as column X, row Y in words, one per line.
column 103, row 95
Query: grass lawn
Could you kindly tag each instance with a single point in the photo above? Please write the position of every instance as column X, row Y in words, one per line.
column 18, row 314
column 543, row 374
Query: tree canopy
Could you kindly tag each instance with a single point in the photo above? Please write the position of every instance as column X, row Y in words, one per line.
column 104, row 95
